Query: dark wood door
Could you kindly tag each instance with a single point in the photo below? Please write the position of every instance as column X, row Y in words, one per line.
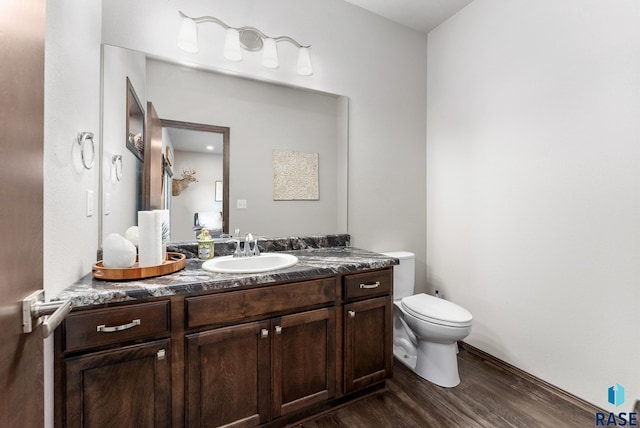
column 21, row 150
column 368, row 347
column 228, row 376
column 124, row 387
column 153, row 166
column 303, row 349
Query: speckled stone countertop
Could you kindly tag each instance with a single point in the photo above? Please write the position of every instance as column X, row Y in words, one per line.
column 314, row 260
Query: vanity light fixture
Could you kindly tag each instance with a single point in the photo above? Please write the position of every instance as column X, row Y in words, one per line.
column 247, row 38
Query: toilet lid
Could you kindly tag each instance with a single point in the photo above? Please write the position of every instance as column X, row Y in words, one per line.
column 436, row 310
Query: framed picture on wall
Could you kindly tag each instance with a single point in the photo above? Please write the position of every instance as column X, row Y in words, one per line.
column 135, row 123
column 218, row 191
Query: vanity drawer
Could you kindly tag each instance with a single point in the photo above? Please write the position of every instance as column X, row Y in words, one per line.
column 368, row 284
column 114, row 325
column 231, row 306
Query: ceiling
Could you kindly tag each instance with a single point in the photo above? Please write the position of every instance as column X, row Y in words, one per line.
column 421, row 15
column 195, row 141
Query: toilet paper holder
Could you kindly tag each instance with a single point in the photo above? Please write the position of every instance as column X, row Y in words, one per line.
column 36, row 311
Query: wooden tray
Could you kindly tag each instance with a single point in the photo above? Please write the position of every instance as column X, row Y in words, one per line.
column 173, row 263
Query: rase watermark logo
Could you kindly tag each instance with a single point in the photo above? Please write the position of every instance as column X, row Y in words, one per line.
column 615, row 396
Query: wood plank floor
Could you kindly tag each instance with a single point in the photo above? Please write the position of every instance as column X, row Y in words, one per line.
column 488, row 396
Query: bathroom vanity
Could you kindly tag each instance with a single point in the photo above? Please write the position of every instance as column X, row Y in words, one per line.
column 198, row 349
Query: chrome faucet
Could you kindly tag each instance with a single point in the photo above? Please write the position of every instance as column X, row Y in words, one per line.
column 256, row 250
column 237, row 252
column 246, row 250
column 248, row 238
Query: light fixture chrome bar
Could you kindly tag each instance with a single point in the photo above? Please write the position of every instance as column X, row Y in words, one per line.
column 224, row 25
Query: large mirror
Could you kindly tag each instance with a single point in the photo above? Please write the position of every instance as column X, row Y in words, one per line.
column 261, row 118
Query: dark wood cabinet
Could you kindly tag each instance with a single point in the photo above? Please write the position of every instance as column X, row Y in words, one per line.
column 368, row 328
column 248, row 374
column 129, row 386
column 368, row 351
column 259, row 356
column 303, row 356
column 102, row 327
column 229, row 376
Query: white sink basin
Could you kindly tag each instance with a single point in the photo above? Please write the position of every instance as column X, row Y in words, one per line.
column 262, row 263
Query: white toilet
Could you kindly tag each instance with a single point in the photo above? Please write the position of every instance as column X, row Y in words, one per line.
column 426, row 328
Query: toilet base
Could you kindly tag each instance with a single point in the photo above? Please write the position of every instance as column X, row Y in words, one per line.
column 401, row 355
column 438, row 363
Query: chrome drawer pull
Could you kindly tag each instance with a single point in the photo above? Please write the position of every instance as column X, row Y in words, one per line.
column 374, row 285
column 264, row 333
column 104, row 329
column 352, row 314
column 278, row 329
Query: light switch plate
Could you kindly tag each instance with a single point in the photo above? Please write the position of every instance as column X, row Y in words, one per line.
column 242, row 204
column 107, row 203
column 89, row 203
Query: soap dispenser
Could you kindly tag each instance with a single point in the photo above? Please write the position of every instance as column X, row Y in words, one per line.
column 205, row 244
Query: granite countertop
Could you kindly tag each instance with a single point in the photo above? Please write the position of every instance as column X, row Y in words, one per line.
column 312, row 263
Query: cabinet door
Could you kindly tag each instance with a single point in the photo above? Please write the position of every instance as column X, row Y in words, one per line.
column 368, row 336
column 125, row 387
column 228, row 376
column 303, row 350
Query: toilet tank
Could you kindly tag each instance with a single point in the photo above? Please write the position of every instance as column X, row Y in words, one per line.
column 404, row 274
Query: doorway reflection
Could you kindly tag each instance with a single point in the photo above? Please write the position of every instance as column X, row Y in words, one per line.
column 195, row 159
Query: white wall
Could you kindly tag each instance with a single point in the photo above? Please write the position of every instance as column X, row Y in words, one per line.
column 533, row 186
column 118, row 65
column 71, row 105
column 378, row 64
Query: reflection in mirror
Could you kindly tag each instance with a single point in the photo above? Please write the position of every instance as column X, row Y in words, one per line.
column 263, row 117
column 120, row 198
column 197, row 157
column 135, row 134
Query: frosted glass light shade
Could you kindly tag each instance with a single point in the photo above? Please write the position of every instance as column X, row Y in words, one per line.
column 188, row 36
column 232, row 45
column 304, row 62
column 270, row 54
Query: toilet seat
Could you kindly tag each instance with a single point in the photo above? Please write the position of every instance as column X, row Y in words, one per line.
column 436, row 310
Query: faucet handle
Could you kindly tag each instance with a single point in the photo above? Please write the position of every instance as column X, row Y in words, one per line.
column 236, row 253
column 256, row 250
